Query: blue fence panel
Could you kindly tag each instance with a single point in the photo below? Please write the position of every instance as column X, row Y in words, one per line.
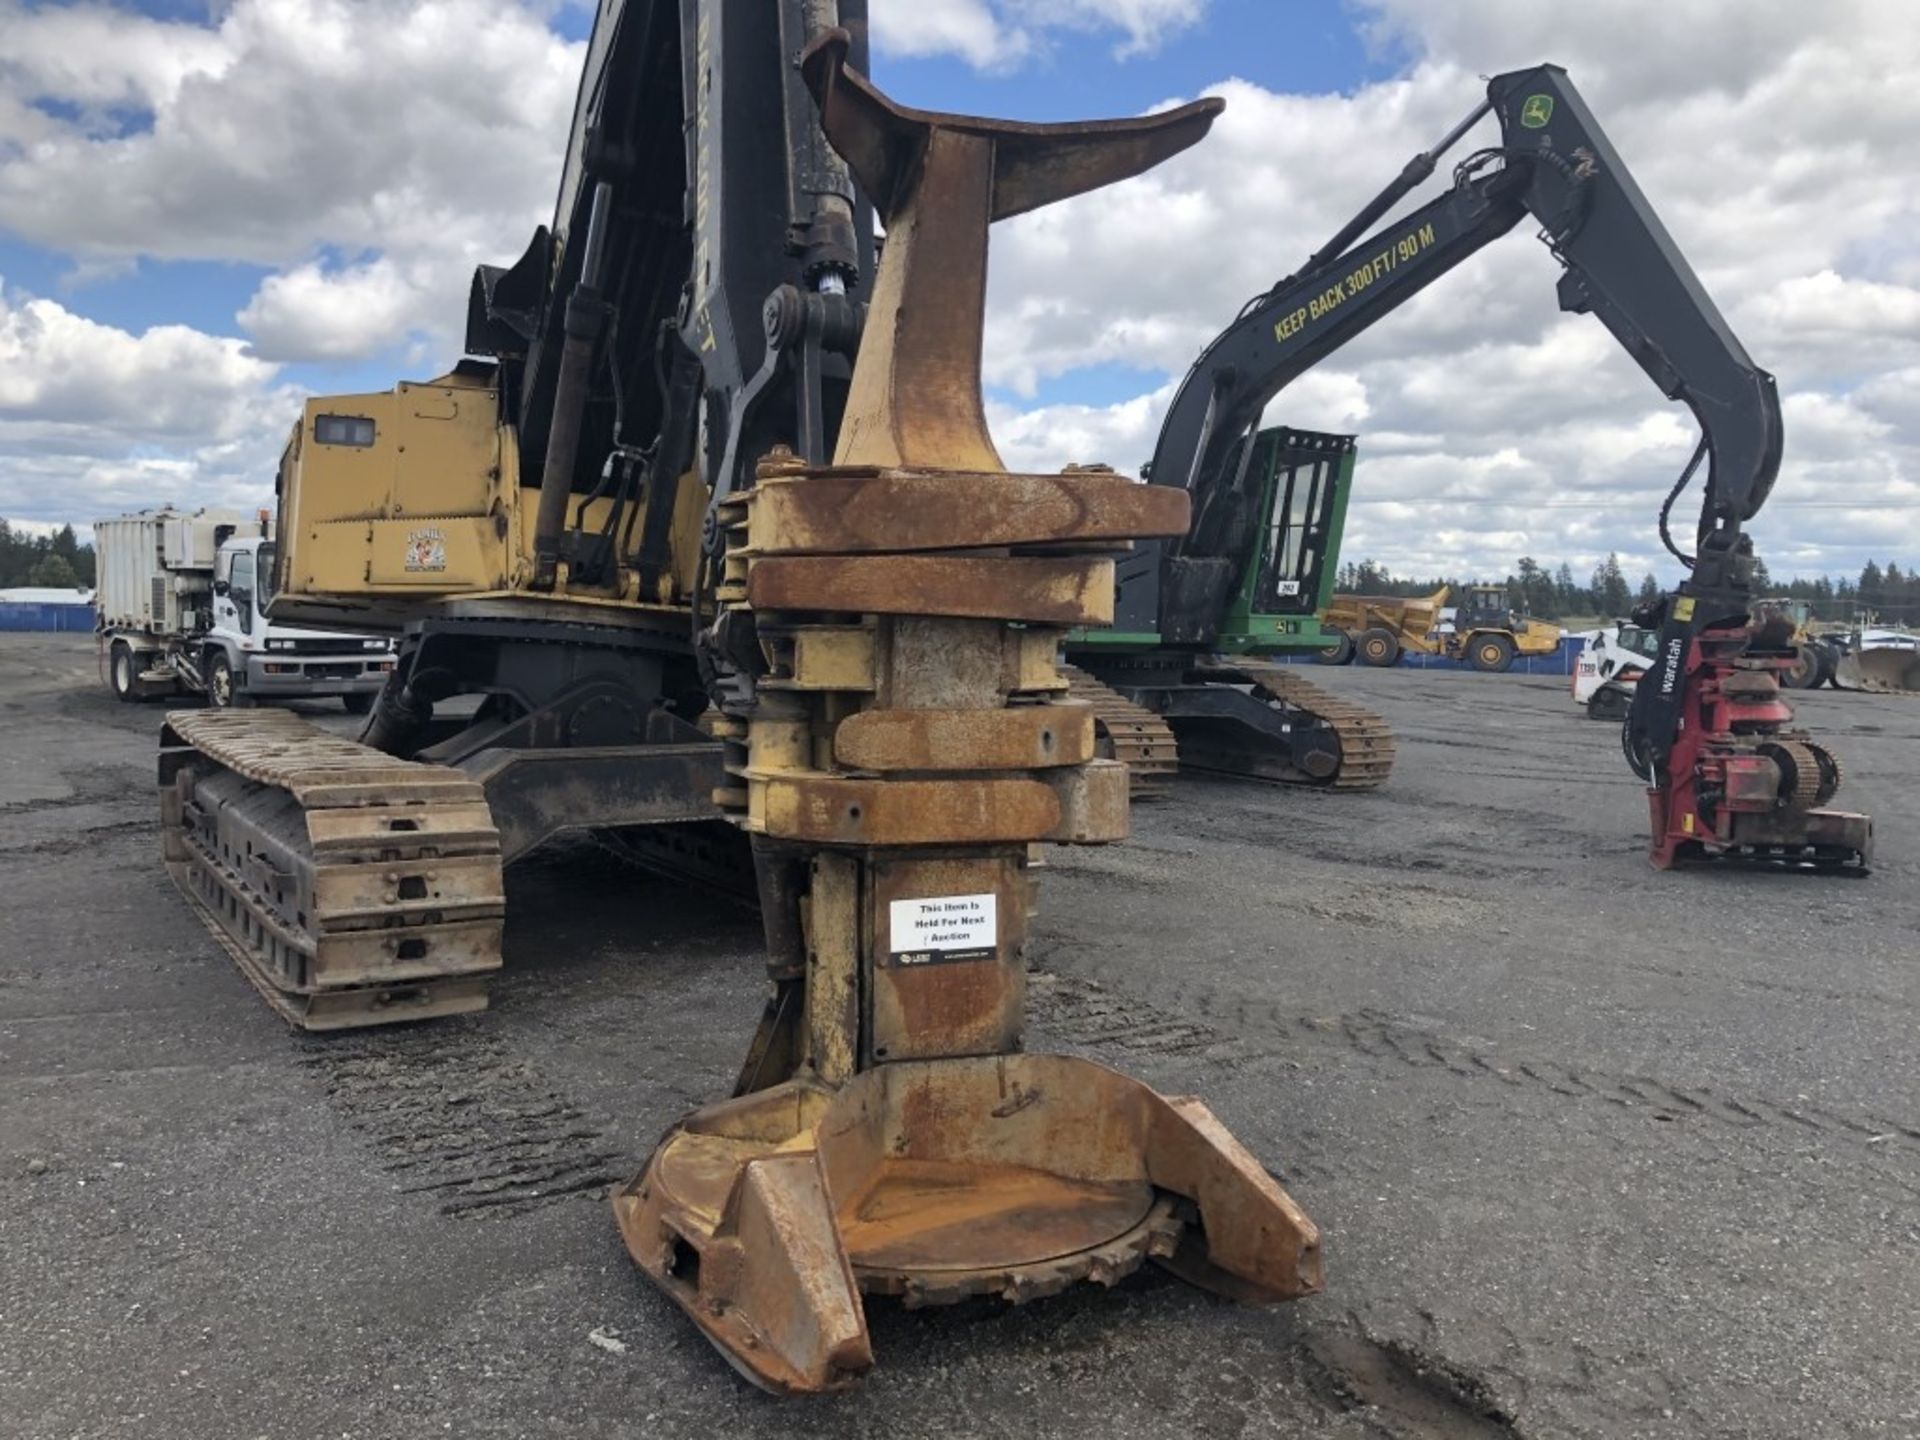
column 42, row 615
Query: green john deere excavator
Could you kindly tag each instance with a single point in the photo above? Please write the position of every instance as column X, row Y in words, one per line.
column 1240, row 713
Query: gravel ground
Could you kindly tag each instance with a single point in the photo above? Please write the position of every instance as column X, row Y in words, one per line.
column 1597, row 1152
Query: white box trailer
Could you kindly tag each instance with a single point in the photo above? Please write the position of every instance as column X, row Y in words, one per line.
column 182, row 604
column 155, row 569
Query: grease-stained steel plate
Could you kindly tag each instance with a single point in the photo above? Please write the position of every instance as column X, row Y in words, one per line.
column 1031, row 590
column 831, row 512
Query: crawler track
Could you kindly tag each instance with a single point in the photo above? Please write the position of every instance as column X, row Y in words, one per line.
column 351, row 888
column 1366, row 740
column 1133, row 733
column 1153, row 750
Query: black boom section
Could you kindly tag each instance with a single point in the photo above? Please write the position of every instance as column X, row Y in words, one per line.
column 1554, row 163
column 1625, row 269
column 696, row 143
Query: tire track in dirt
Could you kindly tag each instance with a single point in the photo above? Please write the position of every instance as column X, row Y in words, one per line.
column 456, row 1118
column 1225, row 1028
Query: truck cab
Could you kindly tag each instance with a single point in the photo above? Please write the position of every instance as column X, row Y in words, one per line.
column 265, row 661
column 182, row 609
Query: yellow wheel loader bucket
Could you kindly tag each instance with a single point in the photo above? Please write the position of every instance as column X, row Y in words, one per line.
column 1885, row 668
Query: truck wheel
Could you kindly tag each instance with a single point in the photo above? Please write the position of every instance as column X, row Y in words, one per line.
column 1492, row 653
column 1377, row 647
column 123, row 673
column 221, row 694
column 1804, row 673
column 1338, row 653
column 358, row 704
column 1829, row 665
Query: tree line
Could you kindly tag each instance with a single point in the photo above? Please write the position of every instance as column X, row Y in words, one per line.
column 1885, row 594
column 58, row 561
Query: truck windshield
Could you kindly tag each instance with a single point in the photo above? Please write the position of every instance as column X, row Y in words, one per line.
column 266, row 575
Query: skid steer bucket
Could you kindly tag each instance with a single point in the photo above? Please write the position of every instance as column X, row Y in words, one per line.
column 908, row 741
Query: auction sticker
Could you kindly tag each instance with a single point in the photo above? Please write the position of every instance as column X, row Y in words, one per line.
column 942, row 928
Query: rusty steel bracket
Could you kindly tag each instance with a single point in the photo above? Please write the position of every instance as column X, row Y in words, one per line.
column 909, row 739
column 938, row 181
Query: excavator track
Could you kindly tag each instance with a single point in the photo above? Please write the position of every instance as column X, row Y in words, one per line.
column 1134, row 733
column 1366, row 740
column 352, row 888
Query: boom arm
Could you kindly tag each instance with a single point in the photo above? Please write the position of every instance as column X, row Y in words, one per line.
column 697, row 297
column 1621, row 265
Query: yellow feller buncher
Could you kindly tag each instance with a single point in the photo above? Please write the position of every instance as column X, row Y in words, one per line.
column 706, row 545
column 673, row 567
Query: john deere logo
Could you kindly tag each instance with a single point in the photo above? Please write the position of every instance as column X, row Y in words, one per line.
column 1537, row 111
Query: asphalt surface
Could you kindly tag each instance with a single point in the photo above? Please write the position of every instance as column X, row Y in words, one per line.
column 1597, row 1152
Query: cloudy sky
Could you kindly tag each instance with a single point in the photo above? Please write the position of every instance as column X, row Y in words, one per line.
column 209, row 208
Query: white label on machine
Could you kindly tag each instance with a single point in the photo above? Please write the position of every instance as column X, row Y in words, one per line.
column 1288, row 588
column 943, row 927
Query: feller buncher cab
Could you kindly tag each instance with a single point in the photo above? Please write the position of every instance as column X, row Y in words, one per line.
column 402, row 505
column 1307, row 479
column 1238, row 713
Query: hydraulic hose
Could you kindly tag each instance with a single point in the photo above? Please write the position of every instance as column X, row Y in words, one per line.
column 1666, row 508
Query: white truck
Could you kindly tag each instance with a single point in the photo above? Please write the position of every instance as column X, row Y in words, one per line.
column 181, row 607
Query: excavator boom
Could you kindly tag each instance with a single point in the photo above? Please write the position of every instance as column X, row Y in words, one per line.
column 1554, row 163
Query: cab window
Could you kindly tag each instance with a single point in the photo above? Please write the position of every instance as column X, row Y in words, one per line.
column 1640, row 642
column 240, row 590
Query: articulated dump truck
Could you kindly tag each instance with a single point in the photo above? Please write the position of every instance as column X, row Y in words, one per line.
column 1482, row 630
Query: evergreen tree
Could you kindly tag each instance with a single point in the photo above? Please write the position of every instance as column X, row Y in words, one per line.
column 54, row 571
column 1565, row 593
column 1610, row 593
column 1536, row 590
column 1649, row 588
column 1869, row 592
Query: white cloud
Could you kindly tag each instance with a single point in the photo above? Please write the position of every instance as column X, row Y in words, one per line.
column 313, row 313
column 1001, row 34
column 100, row 58
column 415, row 137
column 96, row 419
column 967, row 28
column 1774, row 140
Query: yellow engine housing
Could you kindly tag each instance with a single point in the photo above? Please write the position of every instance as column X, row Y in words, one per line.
column 400, row 504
